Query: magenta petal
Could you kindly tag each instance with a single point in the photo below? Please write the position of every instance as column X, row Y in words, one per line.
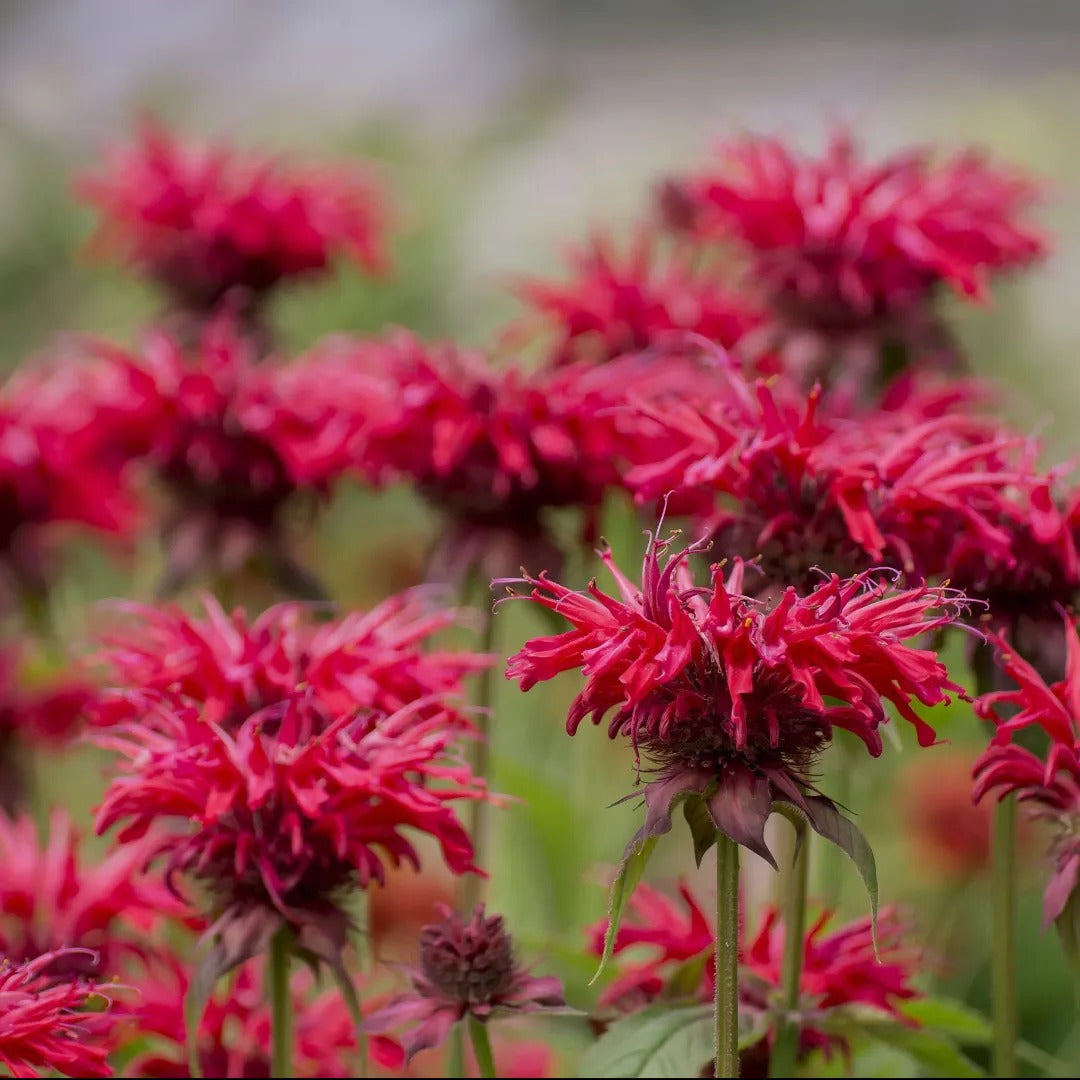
column 1061, row 887
column 545, row 992
column 431, row 1032
column 402, row 1010
column 740, row 806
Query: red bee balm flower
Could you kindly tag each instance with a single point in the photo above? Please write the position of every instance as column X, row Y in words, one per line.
column 837, row 241
column 234, row 1034
column 51, row 898
column 614, row 305
column 1050, row 787
column 839, row 968
column 201, row 221
column 726, row 698
column 285, row 812
column 496, row 449
column 234, row 441
column 62, row 461
column 466, row 969
column 373, row 661
column 45, row 1026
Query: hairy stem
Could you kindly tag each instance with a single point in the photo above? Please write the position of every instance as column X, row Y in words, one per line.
column 455, row 1062
column 277, row 978
column 1003, row 957
column 478, row 808
column 485, row 1060
column 785, row 1050
column 727, row 957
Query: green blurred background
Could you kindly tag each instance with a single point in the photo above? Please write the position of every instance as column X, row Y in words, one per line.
column 504, row 128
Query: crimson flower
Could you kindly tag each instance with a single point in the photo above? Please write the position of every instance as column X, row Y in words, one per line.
column 234, row 442
column 730, row 701
column 496, row 449
column 467, row 968
column 201, row 221
column 62, row 427
column 45, row 1026
column 234, row 1034
column 623, row 303
column 839, row 240
column 1050, row 786
column 777, row 476
column 373, row 661
column 839, row 969
column 53, row 897
column 277, row 816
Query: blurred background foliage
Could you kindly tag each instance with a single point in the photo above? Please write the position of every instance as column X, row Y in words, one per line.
column 505, row 130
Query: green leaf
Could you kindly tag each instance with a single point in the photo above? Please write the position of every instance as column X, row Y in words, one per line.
column 630, row 871
column 702, row 826
column 952, row 1018
column 659, row 1041
column 827, row 821
column 934, row 1051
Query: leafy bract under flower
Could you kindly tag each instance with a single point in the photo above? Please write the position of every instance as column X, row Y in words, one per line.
column 839, row 968
column 1049, row 787
column 836, row 240
column 467, row 969
column 201, row 221
column 614, row 304
column 731, row 700
column 49, row 1022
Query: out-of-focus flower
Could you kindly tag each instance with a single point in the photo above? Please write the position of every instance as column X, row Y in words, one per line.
column 234, row 442
column 848, row 255
column 614, row 303
column 838, row 240
column 839, row 969
column 731, row 701
column 234, row 1034
column 201, row 221
column 1049, row 788
column 281, row 813
column 34, row 713
column 45, row 1024
column 947, row 832
column 495, row 449
column 63, row 461
column 467, row 969
column 52, row 897
column 373, row 662
column 776, row 476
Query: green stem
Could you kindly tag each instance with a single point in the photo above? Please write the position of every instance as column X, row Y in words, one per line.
column 831, row 858
column 478, row 819
column 455, row 1062
column 785, row 1050
column 485, row 1060
column 727, row 957
column 281, row 1012
column 1003, row 957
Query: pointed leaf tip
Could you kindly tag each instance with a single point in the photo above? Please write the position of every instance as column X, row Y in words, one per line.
column 630, row 871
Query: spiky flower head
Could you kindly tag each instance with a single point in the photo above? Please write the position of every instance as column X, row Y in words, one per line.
column 52, row 896
column 467, row 968
column 616, row 303
column 1048, row 785
column 234, row 1035
column 50, row 1022
column 203, row 220
column 840, row 968
column 730, row 701
column 838, row 239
